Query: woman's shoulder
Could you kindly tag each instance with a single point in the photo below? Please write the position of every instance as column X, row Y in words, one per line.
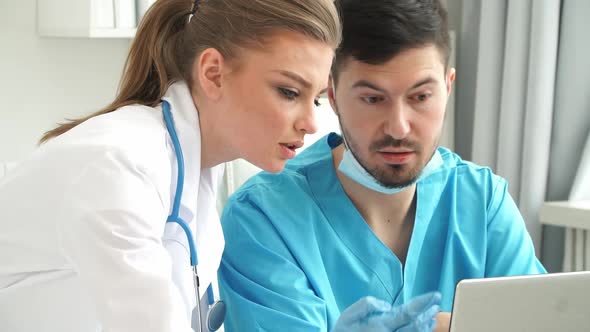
column 133, row 135
column 130, row 128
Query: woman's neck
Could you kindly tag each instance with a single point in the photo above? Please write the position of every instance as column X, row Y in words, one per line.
column 216, row 147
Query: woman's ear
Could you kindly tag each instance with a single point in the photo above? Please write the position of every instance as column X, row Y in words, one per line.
column 208, row 69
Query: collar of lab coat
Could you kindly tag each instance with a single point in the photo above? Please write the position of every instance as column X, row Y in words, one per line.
column 197, row 205
column 186, row 122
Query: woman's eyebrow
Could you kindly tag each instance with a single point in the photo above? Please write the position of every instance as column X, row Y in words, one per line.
column 295, row 77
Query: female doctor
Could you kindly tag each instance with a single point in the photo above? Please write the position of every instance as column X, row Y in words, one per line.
column 84, row 240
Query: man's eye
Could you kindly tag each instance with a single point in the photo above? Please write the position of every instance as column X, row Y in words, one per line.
column 289, row 94
column 422, row 97
column 371, row 99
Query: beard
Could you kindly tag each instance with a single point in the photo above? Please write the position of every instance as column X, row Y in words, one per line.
column 389, row 176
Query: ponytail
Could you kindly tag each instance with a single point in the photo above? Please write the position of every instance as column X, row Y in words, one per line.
column 166, row 43
column 151, row 65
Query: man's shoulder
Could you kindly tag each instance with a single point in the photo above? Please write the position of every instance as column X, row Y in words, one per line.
column 461, row 178
column 466, row 173
column 274, row 204
column 264, row 186
column 454, row 163
column 293, row 180
column 271, row 182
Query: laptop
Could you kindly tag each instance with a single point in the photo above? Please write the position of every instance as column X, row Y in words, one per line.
column 547, row 302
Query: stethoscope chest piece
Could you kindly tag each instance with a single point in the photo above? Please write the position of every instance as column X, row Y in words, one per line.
column 216, row 315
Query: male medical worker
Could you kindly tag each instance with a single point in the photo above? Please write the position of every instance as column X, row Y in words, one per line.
column 381, row 210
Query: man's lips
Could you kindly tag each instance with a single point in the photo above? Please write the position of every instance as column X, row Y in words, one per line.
column 397, row 157
column 395, row 150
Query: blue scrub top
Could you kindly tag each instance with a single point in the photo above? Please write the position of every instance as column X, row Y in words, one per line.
column 298, row 252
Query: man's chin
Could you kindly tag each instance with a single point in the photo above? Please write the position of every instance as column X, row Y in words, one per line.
column 398, row 181
column 396, row 177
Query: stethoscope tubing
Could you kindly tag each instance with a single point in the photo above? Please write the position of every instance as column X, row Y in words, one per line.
column 174, row 217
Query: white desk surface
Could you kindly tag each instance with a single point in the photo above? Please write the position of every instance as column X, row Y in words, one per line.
column 575, row 214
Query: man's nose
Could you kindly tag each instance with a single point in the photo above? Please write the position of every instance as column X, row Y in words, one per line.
column 398, row 121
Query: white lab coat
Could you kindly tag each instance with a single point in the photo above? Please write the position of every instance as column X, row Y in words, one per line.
column 84, row 244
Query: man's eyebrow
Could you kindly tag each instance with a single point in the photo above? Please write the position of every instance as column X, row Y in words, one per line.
column 367, row 84
column 295, row 77
column 425, row 81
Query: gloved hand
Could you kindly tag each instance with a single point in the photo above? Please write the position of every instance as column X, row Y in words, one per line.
column 373, row 315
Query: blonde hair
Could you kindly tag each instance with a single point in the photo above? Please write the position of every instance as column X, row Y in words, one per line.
column 167, row 43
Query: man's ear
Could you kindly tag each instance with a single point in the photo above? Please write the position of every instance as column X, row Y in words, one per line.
column 209, row 69
column 332, row 94
column 450, row 79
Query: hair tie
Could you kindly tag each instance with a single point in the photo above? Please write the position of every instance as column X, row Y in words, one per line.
column 195, row 7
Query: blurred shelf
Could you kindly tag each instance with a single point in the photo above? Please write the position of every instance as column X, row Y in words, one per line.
column 86, row 18
column 574, row 214
column 112, row 33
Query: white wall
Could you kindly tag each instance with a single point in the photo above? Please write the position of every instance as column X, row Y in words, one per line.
column 44, row 80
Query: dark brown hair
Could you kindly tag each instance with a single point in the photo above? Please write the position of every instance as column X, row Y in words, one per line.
column 374, row 31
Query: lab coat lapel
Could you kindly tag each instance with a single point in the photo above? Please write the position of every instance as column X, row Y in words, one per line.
column 209, row 236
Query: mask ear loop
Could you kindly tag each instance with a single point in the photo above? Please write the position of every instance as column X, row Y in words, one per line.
column 338, row 114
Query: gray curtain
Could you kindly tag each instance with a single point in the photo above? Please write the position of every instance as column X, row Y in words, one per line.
column 523, row 101
column 570, row 141
column 505, row 86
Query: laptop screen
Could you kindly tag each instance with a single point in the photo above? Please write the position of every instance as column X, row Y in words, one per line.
column 548, row 302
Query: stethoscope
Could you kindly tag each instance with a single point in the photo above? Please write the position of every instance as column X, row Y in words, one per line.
column 216, row 310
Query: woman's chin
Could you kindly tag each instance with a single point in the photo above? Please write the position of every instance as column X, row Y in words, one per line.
column 273, row 166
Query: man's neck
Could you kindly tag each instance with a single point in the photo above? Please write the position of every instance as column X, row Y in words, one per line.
column 391, row 217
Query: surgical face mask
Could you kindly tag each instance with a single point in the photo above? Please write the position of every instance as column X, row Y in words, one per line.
column 351, row 167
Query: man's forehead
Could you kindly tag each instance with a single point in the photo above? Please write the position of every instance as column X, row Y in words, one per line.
column 411, row 59
column 387, row 76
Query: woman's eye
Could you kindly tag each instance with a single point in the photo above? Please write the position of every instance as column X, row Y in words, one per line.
column 317, row 102
column 288, row 93
column 371, row 99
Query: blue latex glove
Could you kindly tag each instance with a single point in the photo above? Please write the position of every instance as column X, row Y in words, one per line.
column 373, row 315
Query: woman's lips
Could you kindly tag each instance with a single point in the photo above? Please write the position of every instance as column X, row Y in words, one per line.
column 287, row 151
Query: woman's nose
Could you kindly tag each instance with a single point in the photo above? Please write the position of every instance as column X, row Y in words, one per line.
column 307, row 121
